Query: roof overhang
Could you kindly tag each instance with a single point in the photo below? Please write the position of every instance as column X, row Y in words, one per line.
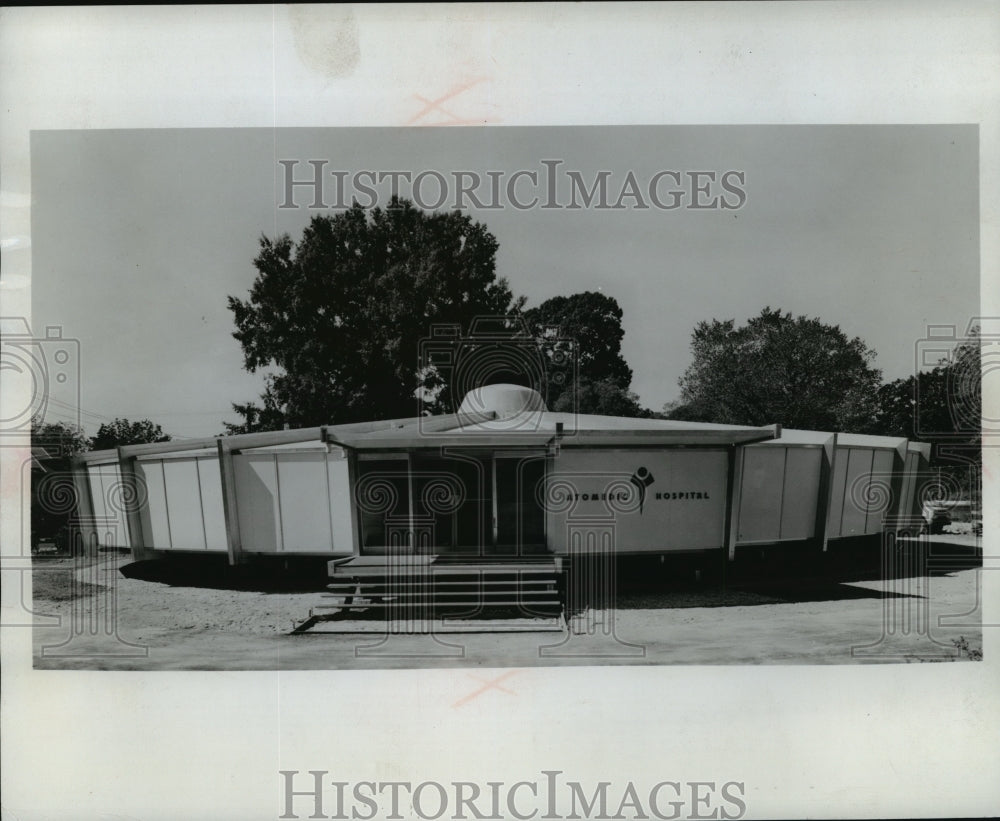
column 408, row 439
column 661, row 438
column 416, row 439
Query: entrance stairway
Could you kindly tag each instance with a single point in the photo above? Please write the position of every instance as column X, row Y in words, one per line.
column 442, row 593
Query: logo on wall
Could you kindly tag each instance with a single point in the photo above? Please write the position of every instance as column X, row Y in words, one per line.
column 642, row 479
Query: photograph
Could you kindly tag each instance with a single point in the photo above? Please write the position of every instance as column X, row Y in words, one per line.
column 434, row 396
column 500, row 411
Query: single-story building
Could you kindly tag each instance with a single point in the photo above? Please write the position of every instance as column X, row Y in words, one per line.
column 502, row 479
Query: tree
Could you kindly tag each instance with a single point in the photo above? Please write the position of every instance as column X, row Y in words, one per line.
column 602, row 396
column 796, row 371
column 589, row 323
column 592, row 323
column 342, row 313
column 944, row 403
column 124, row 432
column 57, row 438
column 53, row 444
column 681, row 412
column 942, row 406
column 257, row 417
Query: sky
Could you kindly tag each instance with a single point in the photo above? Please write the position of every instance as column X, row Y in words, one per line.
column 138, row 236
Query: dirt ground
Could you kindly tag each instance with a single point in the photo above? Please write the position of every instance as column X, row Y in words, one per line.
column 103, row 613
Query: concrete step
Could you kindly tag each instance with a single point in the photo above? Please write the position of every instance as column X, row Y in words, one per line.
column 435, row 585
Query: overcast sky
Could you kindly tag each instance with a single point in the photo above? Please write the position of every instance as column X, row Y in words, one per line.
column 139, row 236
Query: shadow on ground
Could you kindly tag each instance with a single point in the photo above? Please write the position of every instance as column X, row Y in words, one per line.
column 758, row 576
column 777, row 574
column 303, row 575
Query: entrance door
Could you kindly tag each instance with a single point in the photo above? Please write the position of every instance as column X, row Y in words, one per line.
column 382, row 496
column 520, row 519
column 453, row 502
column 466, row 504
column 480, row 504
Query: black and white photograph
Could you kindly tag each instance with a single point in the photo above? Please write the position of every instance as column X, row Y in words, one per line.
column 448, row 411
column 584, row 395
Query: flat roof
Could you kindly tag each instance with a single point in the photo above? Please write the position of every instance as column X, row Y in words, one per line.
column 864, row 440
column 538, row 428
column 485, row 429
column 793, row 436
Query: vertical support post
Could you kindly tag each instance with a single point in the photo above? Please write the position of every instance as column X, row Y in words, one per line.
column 825, row 501
column 227, row 474
column 896, row 484
column 410, row 501
column 921, row 468
column 494, row 511
column 734, row 486
column 352, row 485
column 130, row 503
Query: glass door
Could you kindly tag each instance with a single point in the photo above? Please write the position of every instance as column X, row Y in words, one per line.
column 518, row 481
column 382, row 495
column 472, row 504
column 453, row 501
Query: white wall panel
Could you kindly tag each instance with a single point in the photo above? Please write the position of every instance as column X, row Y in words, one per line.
column 184, row 504
column 338, row 473
column 800, row 493
column 880, row 491
column 115, row 495
column 835, row 515
column 107, row 498
column 211, row 504
column 760, row 496
column 684, row 506
column 859, row 468
column 257, row 502
column 97, row 499
column 153, row 514
column 305, row 502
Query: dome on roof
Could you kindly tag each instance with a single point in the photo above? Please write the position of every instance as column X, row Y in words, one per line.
column 506, row 401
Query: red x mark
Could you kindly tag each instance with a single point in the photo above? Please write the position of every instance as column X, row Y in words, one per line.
column 492, row 684
column 435, row 105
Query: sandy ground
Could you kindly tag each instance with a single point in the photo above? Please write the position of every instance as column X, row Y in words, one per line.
column 109, row 621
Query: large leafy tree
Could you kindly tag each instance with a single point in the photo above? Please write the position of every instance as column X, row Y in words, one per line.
column 601, row 396
column 942, row 406
column 797, row 371
column 53, row 444
column 581, row 339
column 57, row 438
column 341, row 314
column 125, row 432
